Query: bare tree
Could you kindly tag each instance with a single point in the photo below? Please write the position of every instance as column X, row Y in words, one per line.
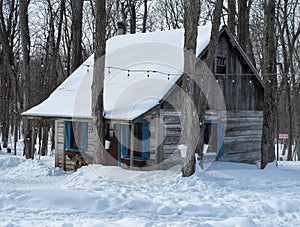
column 231, row 15
column 98, row 81
column 289, row 33
column 76, row 34
column 11, row 95
column 25, row 40
column 243, row 30
column 214, row 33
column 145, row 16
column 190, row 128
column 270, row 79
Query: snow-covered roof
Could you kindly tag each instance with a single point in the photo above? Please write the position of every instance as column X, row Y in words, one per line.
column 125, row 97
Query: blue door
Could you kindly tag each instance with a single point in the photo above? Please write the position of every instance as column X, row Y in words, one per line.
column 214, row 136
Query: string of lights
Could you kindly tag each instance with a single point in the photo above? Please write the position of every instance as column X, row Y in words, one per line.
column 169, row 74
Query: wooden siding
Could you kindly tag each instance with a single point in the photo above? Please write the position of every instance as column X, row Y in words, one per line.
column 172, row 133
column 61, row 159
column 242, row 142
column 241, row 89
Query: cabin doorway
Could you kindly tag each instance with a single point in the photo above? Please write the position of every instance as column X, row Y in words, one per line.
column 113, row 157
column 213, row 138
column 119, row 136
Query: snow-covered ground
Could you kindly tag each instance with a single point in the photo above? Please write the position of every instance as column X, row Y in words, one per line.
column 32, row 193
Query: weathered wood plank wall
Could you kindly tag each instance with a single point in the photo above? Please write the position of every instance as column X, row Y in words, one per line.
column 242, row 142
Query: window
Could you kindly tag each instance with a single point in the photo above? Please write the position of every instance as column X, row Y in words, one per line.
column 141, row 140
column 76, row 136
column 220, row 64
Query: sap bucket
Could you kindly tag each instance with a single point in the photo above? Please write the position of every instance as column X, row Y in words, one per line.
column 183, row 150
column 107, row 144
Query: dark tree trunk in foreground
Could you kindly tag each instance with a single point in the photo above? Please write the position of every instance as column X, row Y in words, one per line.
column 25, row 41
column 214, row 34
column 98, row 82
column 190, row 128
column 145, row 16
column 132, row 16
column 76, row 34
column 231, row 16
column 270, row 79
column 243, row 30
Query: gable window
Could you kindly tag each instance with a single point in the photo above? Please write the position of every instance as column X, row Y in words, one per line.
column 76, row 136
column 220, row 64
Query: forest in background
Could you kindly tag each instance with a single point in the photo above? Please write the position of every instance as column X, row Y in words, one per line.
column 42, row 42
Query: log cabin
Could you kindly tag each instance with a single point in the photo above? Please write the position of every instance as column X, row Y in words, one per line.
column 142, row 103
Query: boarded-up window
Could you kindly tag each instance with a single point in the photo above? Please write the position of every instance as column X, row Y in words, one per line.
column 220, row 64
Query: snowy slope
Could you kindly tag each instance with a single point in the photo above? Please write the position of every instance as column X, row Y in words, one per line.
column 32, row 193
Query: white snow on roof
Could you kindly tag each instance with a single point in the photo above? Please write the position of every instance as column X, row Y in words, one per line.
column 125, row 97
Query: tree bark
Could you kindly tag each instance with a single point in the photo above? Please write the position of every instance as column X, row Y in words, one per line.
column 231, row 16
column 98, row 83
column 270, row 79
column 214, row 34
column 190, row 127
column 132, row 16
column 25, row 41
column 76, row 34
column 145, row 16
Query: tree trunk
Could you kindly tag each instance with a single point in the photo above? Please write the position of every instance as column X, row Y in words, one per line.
column 25, row 41
column 132, row 16
column 98, row 83
column 243, row 30
column 190, row 127
column 76, row 34
column 44, row 138
column 297, row 120
column 214, row 34
column 270, row 79
column 145, row 16
column 231, row 15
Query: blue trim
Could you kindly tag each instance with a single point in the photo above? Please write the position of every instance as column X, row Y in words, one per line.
column 145, row 139
column 210, row 121
column 125, row 139
column 68, row 134
column 84, row 137
column 220, row 140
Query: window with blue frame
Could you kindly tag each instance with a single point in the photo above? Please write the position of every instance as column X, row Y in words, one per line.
column 76, row 136
column 141, row 140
